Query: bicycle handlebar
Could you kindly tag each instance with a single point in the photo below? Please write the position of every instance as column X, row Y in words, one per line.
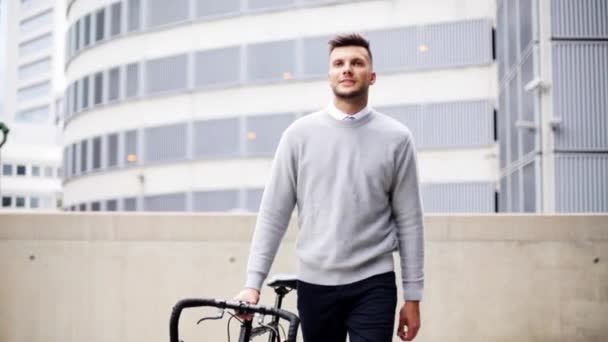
column 240, row 307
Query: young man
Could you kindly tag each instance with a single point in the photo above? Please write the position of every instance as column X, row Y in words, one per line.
column 352, row 173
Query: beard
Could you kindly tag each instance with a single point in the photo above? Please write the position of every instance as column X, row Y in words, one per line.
column 350, row 94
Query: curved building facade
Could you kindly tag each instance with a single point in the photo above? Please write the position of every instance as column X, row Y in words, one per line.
column 179, row 106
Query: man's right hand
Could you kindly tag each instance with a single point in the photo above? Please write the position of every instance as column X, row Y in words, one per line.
column 248, row 295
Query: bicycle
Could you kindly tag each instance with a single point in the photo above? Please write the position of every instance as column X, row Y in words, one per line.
column 282, row 285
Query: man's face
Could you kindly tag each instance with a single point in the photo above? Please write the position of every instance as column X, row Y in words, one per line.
column 350, row 72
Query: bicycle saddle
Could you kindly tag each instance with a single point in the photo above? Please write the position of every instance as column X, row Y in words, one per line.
column 289, row 281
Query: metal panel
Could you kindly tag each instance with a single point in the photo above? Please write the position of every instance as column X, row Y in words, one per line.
column 253, row 198
column 35, row 69
column 258, row 5
column 163, row 12
column 264, row 132
column 112, row 149
column 315, row 61
column 100, row 25
column 216, row 138
column 207, row 9
column 457, row 124
column 455, row 44
column 579, row 19
column 581, row 183
column 98, row 88
column 36, row 45
column 96, row 163
column 168, row 202
column 529, row 187
column 458, row 197
column 115, row 19
column 165, row 143
column 410, row 116
column 273, row 61
column 133, row 15
column 131, row 156
column 114, row 84
column 166, row 74
column 580, row 95
column 132, row 80
column 217, row 201
column 218, row 67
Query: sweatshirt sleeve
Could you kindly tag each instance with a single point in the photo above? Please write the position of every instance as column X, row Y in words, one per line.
column 275, row 211
column 407, row 212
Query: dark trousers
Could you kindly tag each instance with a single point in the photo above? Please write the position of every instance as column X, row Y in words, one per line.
column 364, row 309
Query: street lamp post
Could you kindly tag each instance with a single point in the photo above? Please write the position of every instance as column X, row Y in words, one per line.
column 3, row 136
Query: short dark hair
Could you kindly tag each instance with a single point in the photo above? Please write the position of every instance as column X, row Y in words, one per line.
column 351, row 39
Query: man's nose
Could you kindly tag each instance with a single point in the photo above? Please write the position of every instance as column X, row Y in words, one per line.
column 347, row 69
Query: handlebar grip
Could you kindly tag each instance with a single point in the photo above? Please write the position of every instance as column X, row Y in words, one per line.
column 293, row 320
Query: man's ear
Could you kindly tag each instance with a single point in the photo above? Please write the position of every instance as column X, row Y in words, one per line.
column 373, row 79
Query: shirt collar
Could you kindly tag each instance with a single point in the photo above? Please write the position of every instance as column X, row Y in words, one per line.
column 340, row 115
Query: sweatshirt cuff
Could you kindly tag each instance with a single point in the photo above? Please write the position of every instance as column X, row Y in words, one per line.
column 413, row 291
column 254, row 280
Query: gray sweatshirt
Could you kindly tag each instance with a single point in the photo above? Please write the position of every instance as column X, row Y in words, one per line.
column 355, row 184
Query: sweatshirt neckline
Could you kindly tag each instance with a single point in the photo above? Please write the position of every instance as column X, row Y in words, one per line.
column 348, row 123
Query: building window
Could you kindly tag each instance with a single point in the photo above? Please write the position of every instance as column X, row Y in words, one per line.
column 20, row 202
column 35, row 45
column 134, row 17
column 166, row 74
column 48, row 172
column 34, row 202
column 165, row 143
column 163, row 12
column 7, row 169
column 35, row 69
column 116, row 15
column 111, row 205
column 131, row 148
column 21, row 170
column 85, row 92
column 34, row 91
column 274, row 61
column 114, row 84
column 35, row 171
column 82, row 207
column 83, row 156
column 34, row 115
column 87, row 31
column 7, row 201
column 112, row 150
column 98, row 88
column 77, row 38
column 95, row 206
column 96, row 153
column 41, row 20
column 132, row 80
column 100, row 19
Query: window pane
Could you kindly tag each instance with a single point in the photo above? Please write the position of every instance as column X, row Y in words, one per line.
column 116, row 10
column 95, row 206
column 87, row 31
column 34, row 115
column 131, row 147
column 20, row 202
column 269, row 4
column 98, row 88
column 112, row 150
column 100, row 25
column 216, row 201
column 77, row 38
column 216, row 138
column 273, row 61
column 7, row 201
column 163, row 12
column 34, row 202
column 166, row 74
column 169, row 202
column 35, row 69
column 41, row 20
column 82, row 207
column 264, row 133
column 218, row 67
column 83, row 156
column 74, row 159
column 134, row 9
column 85, row 93
column 21, row 170
column 165, row 143
column 206, row 8
column 34, row 91
column 111, row 205
column 130, row 204
column 35, row 171
column 132, row 80
column 35, row 45
column 7, row 169
column 114, row 84
column 96, row 153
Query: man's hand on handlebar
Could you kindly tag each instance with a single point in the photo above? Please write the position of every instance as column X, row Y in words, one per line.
column 248, row 295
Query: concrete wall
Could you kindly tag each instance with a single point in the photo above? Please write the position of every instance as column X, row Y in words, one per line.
column 100, row 277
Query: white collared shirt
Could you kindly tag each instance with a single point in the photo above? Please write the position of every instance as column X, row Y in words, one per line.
column 340, row 115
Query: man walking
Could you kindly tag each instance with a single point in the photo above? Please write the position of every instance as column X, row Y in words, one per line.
column 352, row 173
